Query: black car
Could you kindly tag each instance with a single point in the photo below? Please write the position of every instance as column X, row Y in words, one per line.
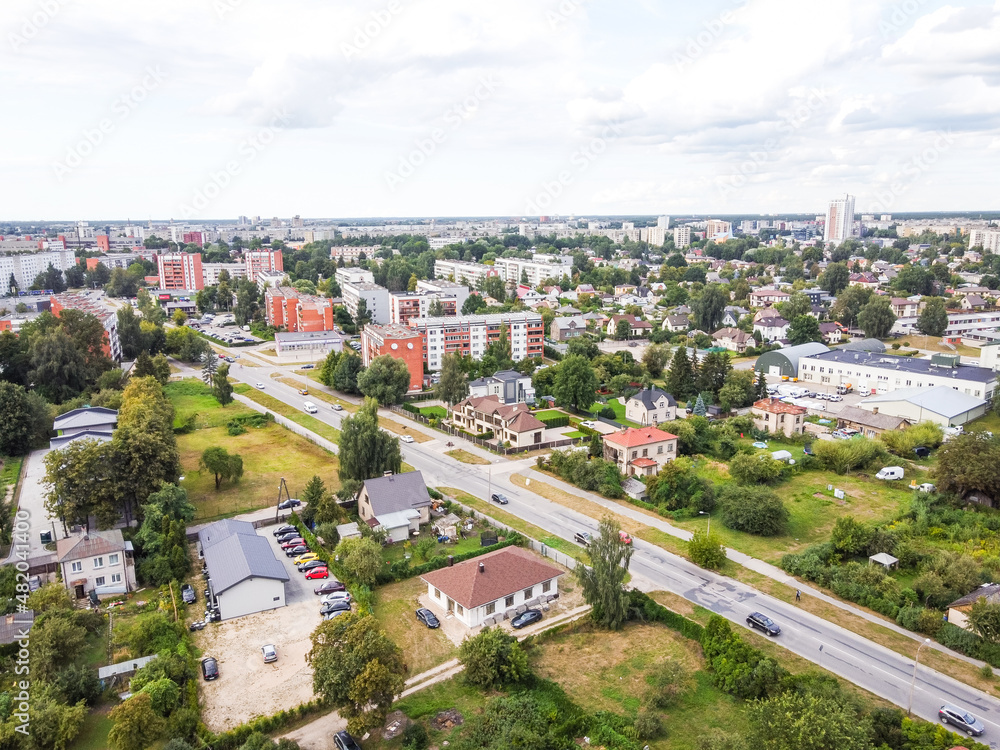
column 337, row 605
column 287, row 536
column 499, row 498
column 528, row 617
column 763, row 623
column 291, row 503
column 307, row 367
column 921, row 451
column 282, row 530
column 187, row 593
column 209, row 669
column 428, row 618
column 344, row 741
column 306, row 566
column 296, row 551
column 197, row 625
column 329, row 587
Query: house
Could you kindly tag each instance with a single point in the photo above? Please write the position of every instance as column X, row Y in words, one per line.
column 973, row 302
column 245, row 575
column 868, row 280
column 676, row 323
column 732, row 315
column 512, row 423
column 958, row 610
column 381, row 498
column 636, row 327
column 831, row 333
column 775, row 416
column 98, row 561
column 771, row 328
column 650, row 406
column 904, row 308
column 94, row 422
column 733, row 339
column 16, row 626
column 397, row 526
column 640, row 451
column 767, row 297
column 492, row 587
column 508, row 386
column 869, row 423
column 595, row 319
column 563, row 329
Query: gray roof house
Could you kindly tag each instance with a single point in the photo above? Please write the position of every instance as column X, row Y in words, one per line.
column 245, row 576
column 650, row 406
column 394, row 493
column 508, row 386
column 94, row 422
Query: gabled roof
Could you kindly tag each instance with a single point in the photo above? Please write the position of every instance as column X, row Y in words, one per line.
column 868, row 419
column 777, row 406
column 504, row 572
column 89, row 416
column 524, row 422
column 216, row 532
column 988, row 591
column 241, row 556
column 91, row 544
column 636, row 436
column 397, row 492
column 939, row 399
column 649, row 396
column 61, row 441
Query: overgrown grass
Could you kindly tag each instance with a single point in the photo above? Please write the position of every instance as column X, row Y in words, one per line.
column 192, row 396
column 423, row 647
column 94, row 734
column 465, row 457
column 290, row 412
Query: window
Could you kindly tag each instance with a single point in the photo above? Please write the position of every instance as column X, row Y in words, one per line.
column 98, row 562
column 437, row 594
column 659, row 449
column 547, row 586
column 529, row 592
column 99, row 581
column 113, row 559
column 461, row 611
column 76, row 567
column 509, row 601
column 645, row 452
column 634, row 454
column 116, row 578
column 491, row 608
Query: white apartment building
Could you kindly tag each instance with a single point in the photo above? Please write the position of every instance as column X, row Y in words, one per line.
column 463, row 271
column 682, row 237
column 211, row 271
column 376, row 298
column 354, row 252
column 656, row 236
column 716, row 229
column 839, row 219
column 985, row 238
column 539, row 268
column 469, row 335
column 354, row 275
column 454, row 289
column 958, row 323
column 273, row 280
column 27, row 267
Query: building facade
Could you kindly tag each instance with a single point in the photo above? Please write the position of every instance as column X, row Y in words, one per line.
column 98, row 561
column 257, row 262
column 777, row 417
column 839, row 220
column 109, row 319
column 640, row 451
column 398, row 342
column 376, row 301
column 297, row 312
column 470, row 335
column 181, row 271
column 463, row 272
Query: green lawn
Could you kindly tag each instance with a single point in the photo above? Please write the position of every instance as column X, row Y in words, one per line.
column 619, row 409
column 434, row 411
column 94, row 734
column 191, row 396
column 549, row 414
column 394, row 552
column 423, row 648
column 574, row 434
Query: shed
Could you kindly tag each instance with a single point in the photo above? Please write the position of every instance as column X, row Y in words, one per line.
column 124, row 668
column 884, row 559
column 348, row 531
column 781, row 456
column 785, row 362
column 397, row 525
column 634, row 488
column 447, row 525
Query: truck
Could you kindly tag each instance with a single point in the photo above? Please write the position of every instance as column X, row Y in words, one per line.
column 844, row 388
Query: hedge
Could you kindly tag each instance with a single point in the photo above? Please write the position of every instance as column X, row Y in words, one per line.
column 236, row 737
column 555, row 421
column 401, row 569
column 655, row 612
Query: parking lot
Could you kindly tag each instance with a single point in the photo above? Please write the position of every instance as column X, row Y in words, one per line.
column 247, row 687
column 228, row 333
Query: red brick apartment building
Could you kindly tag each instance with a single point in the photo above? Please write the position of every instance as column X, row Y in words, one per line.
column 286, row 307
column 181, row 271
column 263, row 261
column 399, row 342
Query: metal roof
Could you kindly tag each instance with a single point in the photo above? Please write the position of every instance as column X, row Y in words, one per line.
column 216, row 532
column 239, row 557
column 397, row 492
column 89, row 416
column 905, row 364
column 939, row 399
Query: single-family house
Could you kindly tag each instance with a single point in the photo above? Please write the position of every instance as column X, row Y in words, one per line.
column 676, row 323
column 776, row 416
column 767, row 297
column 972, row 302
column 636, row 327
column 564, row 329
column 904, row 308
column 867, row 279
column 640, row 450
column 831, row 333
column 511, row 423
column 732, row 315
column 869, row 423
column 98, row 561
column 771, row 328
column 650, row 406
column 733, row 339
column 958, row 610
column 507, row 386
column 395, row 493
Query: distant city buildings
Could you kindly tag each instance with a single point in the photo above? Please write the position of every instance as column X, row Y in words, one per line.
column 682, row 237
column 986, row 239
column 463, row 272
column 839, row 220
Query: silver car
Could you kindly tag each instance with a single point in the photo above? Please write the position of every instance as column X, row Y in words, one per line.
column 961, row 719
column 270, row 653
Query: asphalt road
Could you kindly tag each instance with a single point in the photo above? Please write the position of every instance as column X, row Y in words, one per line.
column 866, row 664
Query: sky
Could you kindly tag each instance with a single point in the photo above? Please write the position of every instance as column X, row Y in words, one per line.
column 209, row 109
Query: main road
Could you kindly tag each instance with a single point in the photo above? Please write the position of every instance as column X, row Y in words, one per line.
column 842, row 652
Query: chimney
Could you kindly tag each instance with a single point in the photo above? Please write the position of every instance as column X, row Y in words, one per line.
column 482, row 568
column 387, row 473
column 875, row 410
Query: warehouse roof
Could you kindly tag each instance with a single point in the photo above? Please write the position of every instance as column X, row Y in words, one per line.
column 939, row 399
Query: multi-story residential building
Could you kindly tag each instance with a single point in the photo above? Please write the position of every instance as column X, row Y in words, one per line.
column 353, row 275
column 875, row 372
column 682, row 237
column 107, row 316
column 539, row 268
column 904, row 308
column 509, row 386
column 398, row 342
column 718, row 230
column 986, row 239
column 404, row 306
column 775, row 416
column 463, row 272
column 181, row 271
column 196, row 238
column 26, row 268
column 446, row 288
column 285, row 306
column 470, row 335
column 97, row 561
column 839, row 219
column 354, row 252
column 114, row 260
column 640, row 451
column 211, row 271
column 262, row 261
column 376, row 299
column 765, row 297
column 264, row 280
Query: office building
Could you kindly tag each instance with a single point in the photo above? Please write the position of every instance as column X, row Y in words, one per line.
column 181, row 271
column 262, row 261
column 839, row 219
column 376, row 299
column 399, row 342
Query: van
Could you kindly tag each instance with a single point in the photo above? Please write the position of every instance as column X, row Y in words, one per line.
column 310, row 407
column 890, row 473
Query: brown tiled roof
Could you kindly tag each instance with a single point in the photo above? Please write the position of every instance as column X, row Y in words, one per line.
column 855, row 415
column 505, row 572
column 643, row 462
column 90, row 545
column 524, row 422
column 776, row 406
column 634, row 436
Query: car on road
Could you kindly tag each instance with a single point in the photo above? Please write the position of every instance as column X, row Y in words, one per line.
column 926, row 487
column 336, row 407
column 260, row 386
column 307, row 557
column 209, row 669
column 310, row 564
column 428, row 618
column 187, row 593
column 329, row 587
column 589, row 424
column 222, row 356
column 344, row 741
column 230, row 360
column 961, row 720
column 624, row 537
column 760, row 444
column 582, row 537
column 303, row 391
column 337, row 606
column 526, row 618
column 284, row 530
column 296, row 551
column 270, row 653
column 763, row 623
column 290, row 503
column 308, row 367
column 499, row 498
column 406, row 438
column 315, row 573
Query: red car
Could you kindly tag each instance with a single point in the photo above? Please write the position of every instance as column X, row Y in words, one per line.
column 321, row 572
column 293, row 543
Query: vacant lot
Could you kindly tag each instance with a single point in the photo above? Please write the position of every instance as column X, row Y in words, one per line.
column 424, row 648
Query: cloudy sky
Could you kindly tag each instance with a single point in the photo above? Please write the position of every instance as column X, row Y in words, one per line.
column 215, row 108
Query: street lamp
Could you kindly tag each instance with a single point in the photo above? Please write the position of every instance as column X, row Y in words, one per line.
column 916, row 663
column 706, row 513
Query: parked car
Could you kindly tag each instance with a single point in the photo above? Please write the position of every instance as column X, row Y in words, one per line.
column 287, row 529
column 589, row 424
column 308, row 556
column 230, row 360
column 309, row 565
column 528, row 617
column 289, row 536
column 329, row 587
column 308, row 367
column 499, row 498
column 926, row 487
column 344, row 741
column 290, row 503
column 187, row 593
column 961, row 720
column 337, row 596
column 260, row 385
column 296, row 551
column 763, row 623
column 270, row 653
column 428, row 618
column 624, row 537
column 317, row 573
column 209, row 669
column 328, row 607
column 582, row 537
column 335, row 613
column 406, row 438
column 294, row 542
column 890, row 473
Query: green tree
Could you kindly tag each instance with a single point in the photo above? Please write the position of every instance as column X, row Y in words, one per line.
column 16, row 420
column 712, row 373
column 707, row 551
column 755, row 468
column 984, row 620
column 224, row 465
column 804, row 329
column 222, row 389
column 794, row 721
column 933, row 319
column 210, row 363
column 798, row 304
column 386, row 380
column 361, row 558
column 496, row 288
column 969, row 463
column 493, row 659
column 136, row 724
column 850, row 536
column 709, row 308
column 654, row 359
column 835, row 278
column 681, row 375
column 129, row 333
column 575, row 384
column 453, row 385
column 755, row 510
column 81, row 483
column 366, row 451
column 876, row 318
column 328, row 368
column 699, row 409
column 603, row 582
column 357, row 669
column 179, row 317
column 54, row 724
column 58, row 369
column 740, row 390
column 164, row 694
column 623, row 329
column 345, row 376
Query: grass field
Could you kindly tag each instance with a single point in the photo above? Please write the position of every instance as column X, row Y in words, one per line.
column 423, row 648
column 94, row 734
column 619, row 409
column 434, row 411
column 549, row 414
column 574, row 434
column 465, row 457
column 191, row 396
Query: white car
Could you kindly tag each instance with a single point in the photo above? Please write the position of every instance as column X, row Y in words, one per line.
column 337, row 596
column 270, row 653
column 926, row 487
column 588, row 424
column 260, row 386
column 406, row 438
column 337, row 407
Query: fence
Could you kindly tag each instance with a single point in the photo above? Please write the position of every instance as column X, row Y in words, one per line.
column 428, row 396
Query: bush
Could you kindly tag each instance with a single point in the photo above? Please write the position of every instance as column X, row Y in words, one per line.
column 415, row 737
column 707, row 551
column 739, row 669
column 592, row 474
column 667, row 682
column 843, row 456
column 648, row 725
column 756, row 468
column 902, row 442
column 755, row 510
column 560, row 421
column 607, row 412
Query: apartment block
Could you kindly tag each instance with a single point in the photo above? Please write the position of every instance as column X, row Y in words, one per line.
column 286, row 307
column 354, row 252
column 210, row 272
column 470, row 335
column 108, row 317
column 404, row 306
column 539, row 268
column 986, row 239
column 181, row 271
column 463, row 271
column 398, row 342
column 716, row 229
column 354, row 275
column 376, row 298
column 682, row 237
column 262, row 261
column 26, row 268
column 839, row 219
